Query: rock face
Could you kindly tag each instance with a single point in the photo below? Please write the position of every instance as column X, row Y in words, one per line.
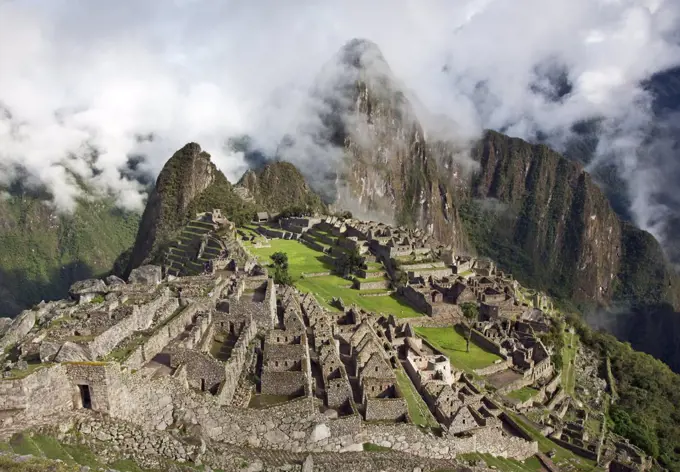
column 544, row 218
column 71, row 352
column 188, row 173
column 390, row 169
column 279, row 185
column 148, row 274
column 87, row 288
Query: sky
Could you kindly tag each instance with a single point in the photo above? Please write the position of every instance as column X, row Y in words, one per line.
column 84, row 84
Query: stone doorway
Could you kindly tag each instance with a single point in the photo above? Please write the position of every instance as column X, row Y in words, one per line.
column 85, row 398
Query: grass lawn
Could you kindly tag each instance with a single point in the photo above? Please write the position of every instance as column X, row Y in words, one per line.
column 329, row 286
column 522, row 394
column 452, row 344
column 301, row 258
column 568, row 356
column 417, row 409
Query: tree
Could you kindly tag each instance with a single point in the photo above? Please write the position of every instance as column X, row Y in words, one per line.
column 348, row 262
column 281, row 275
column 470, row 313
column 280, row 260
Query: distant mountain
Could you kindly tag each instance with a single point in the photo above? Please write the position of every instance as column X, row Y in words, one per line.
column 277, row 185
column 43, row 251
column 391, row 170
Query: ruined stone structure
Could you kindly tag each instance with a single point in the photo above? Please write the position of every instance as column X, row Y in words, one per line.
column 188, row 351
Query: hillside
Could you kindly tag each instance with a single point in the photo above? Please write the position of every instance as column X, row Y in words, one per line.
column 278, row 185
column 544, row 218
column 189, row 183
column 42, row 251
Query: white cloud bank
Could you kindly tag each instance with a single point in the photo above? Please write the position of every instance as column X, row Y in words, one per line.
column 78, row 76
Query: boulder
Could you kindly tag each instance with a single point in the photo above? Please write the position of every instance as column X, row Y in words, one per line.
column 22, row 365
column 148, row 274
column 48, row 349
column 113, row 280
column 319, row 433
column 86, row 287
column 308, row 464
column 71, row 352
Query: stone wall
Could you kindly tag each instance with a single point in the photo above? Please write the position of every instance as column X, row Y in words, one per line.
column 94, row 376
column 514, row 385
column 203, row 372
column 392, row 409
column 485, row 343
column 493, row 368
column 42, row 393
column 299, row 425
column 234, row 366
column 141, row 318
column 163, row 335
column 283, row 383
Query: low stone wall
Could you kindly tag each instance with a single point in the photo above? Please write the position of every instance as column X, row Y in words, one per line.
column 486, row 343
column 314, row 245
column 576, row 449
column 234, row 366
column 494, row 368
column 163, row 336
column 142, row 317
column 514, row 385
column 391, row 409
column 377, row 285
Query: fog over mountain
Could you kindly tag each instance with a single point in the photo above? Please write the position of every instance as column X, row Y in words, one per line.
column 102, row 93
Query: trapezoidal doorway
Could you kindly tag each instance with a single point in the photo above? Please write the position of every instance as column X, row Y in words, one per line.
column 85, row 398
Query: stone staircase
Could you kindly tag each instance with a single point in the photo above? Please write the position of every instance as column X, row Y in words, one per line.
column 186, row 256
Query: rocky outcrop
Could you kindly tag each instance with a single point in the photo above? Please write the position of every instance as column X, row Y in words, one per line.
column 85, row 290
column 391, row 170
column 184, row 177
column 72, row 352
column 148, row 275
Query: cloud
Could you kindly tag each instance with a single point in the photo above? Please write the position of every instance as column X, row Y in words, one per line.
column 80, row 83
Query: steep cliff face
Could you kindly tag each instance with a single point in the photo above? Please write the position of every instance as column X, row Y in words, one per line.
column 569, row 238
column 188, row 173
column 279, row 185
column 390, row 169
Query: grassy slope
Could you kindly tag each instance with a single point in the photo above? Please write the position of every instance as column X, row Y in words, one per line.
column 452, row 343
column 522, row 394
column 418, row 410
column 568, row 357
column 303, row 259
column 43, row 252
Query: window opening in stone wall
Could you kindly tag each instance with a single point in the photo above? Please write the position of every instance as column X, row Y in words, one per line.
column 202, row 385
column 85, row 398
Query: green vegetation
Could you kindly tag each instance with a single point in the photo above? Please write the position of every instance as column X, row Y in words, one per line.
column 327, row 287
column 370, row 447
column 506, row 465
column 569, row 349
column 418, row 411
column 546, row 445
column 280, row 263
column 43, row 252
column 51, row 448
column 452, row 343
column 648, row 408
column 471, row 314
column 304, row 260
column 522, row 394
column 23, row 444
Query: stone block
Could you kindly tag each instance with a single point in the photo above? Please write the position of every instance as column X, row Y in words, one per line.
column 148, row 275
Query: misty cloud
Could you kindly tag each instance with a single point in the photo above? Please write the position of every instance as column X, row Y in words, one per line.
column 104, row 93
